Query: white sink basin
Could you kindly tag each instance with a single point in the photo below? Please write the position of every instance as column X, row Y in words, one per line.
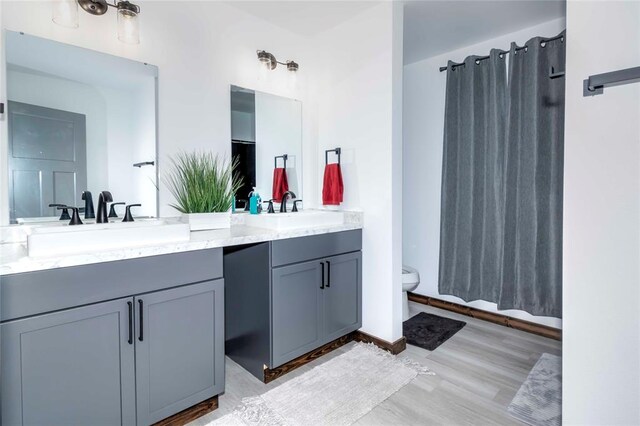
column 46, row 241
column 298, row 220
column 30, row 220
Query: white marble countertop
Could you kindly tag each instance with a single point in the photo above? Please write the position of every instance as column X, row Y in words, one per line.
column 14, row 257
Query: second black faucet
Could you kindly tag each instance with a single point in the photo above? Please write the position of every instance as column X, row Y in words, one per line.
column 104, row 198
column 283, row 203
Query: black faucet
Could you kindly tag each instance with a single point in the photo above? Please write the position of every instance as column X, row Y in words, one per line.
column 75, row 220
column 127, row 215
column 270, row 206
column 283, row 203
column 65, row 211
column 247, row 202
column 104, row 198
column 112, row 209
column 88, row 205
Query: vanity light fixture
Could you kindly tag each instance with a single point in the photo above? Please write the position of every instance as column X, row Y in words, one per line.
column 292, row 66
column 65, row 13
column 269, row 62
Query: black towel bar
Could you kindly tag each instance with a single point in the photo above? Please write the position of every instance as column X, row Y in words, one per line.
column 595, row 84
column 284, row 160
column 144, row 163
column 338, row 151
column 555, row 74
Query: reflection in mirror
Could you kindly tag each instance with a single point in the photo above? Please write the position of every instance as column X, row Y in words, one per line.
column 78, row 120
column 264, row 129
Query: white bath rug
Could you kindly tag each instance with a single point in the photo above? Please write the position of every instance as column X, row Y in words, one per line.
column 539, row 399
column 338, row 392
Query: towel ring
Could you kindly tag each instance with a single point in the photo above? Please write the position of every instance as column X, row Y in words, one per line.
column 338, row 151
column 284, row 160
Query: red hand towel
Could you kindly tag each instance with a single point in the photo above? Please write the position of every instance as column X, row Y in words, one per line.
column 280, row 183
column 333, row 189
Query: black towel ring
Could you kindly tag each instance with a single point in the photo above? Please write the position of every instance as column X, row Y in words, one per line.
column 284, row 160
column 338, row 151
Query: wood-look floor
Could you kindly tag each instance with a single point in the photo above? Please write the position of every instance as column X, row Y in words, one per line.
column 478, row 372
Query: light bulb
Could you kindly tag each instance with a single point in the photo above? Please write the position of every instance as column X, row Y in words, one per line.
column 128, row 24
column 263, row 69
column 65, row 13
column 292, row 80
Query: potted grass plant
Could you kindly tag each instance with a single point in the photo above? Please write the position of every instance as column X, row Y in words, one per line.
column 203, row 185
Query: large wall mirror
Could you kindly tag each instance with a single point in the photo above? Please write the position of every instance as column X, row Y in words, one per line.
column 77, row 120
column 266, row 139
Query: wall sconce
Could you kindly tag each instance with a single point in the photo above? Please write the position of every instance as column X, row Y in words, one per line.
column 269, row 62
column 65, row 13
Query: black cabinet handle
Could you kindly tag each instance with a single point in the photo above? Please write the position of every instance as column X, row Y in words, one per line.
column 322, row 281
column 328, row 274
column 130, row 323
column 141, row 320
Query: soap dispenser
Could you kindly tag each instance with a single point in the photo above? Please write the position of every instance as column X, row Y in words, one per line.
column 255, row 202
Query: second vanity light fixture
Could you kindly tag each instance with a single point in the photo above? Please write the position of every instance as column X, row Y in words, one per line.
column 268, row 61
column 65, row 13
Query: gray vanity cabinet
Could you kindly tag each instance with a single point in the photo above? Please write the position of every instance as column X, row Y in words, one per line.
column 155, row 348
column 314, row 303
column 177, row 364
column 69, row 367
column 341, row 294
column 288, row 297
column 297, row 310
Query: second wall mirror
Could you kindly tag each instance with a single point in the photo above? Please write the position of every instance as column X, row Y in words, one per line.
column 266, row 139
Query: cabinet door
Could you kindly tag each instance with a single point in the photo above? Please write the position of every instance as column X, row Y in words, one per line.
column 342, row 296
column 296, row 310
column 179, row 349
column 73, row 367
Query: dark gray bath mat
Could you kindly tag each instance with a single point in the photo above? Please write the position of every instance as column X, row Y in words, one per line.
column 430, row 331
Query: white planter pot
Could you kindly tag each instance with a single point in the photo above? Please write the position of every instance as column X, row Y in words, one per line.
column 202, row 221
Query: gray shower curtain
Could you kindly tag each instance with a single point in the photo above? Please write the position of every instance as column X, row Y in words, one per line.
column 532, row 260
column 501, row 205
column 472, row 169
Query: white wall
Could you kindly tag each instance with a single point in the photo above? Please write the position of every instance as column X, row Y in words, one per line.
column 355, row 112
column 424, row 95
column 397, row 61
column 601, row 297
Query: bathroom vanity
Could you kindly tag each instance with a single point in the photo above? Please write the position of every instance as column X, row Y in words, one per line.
column 288, row 297
column 126, row 323
column 128, row 342
column 135, row 335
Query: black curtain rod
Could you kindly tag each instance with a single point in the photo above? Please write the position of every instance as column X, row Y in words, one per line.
column 504, row 52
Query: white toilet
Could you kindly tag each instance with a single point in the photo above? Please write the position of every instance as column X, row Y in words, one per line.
column 410, row 280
